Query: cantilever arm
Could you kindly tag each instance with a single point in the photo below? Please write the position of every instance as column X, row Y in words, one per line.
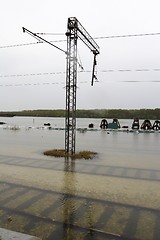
column 42, row 39
column 86, row 38
column 90, row 43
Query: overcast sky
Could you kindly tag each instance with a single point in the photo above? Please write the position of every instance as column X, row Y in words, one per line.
column 128, row 68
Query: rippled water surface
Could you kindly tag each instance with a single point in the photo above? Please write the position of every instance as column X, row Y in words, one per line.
column 114, row 196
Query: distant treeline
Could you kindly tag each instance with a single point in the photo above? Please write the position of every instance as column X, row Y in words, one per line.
column 152, row 114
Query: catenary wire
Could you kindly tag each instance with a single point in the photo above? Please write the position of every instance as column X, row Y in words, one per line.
column 101, row 37
column 114, row 36
column 27, row 44
column 129, row 35
column 63, row 83
column 37, row 84
column 55, row 34
column 81, row 71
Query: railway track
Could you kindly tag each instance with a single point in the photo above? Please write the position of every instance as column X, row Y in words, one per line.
column 59, row 215
column 87, row 168
column 49, row 214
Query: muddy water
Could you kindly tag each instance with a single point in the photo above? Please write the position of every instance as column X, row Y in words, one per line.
column 114, row 196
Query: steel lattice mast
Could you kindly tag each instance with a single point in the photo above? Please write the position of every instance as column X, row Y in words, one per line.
column 74, row 30
column 71, row 87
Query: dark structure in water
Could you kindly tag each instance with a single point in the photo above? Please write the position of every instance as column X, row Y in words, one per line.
column 115, row 124
column 156, row 125
column 135, row 124
column 1, row 123
column 115, row 121
column 47, row 124
column 146, row 125
column 91, row 125
column 104, row 124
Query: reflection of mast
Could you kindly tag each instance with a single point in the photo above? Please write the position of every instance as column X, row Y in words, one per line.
column 69, row 201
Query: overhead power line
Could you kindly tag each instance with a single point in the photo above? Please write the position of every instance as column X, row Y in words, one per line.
column 82, row 71
column 129, row 35
column 114, row 36
column 130, row 70
column 55, row 34
column 27, row 44
column 37, row 84
column 31, row 74
column 101, row 37
column 19, row 45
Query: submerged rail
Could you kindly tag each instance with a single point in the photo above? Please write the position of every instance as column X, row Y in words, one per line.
column 61, row 213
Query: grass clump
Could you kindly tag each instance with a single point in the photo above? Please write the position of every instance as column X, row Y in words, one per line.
column 79, row 155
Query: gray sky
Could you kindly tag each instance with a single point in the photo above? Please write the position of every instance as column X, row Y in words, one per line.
column 42, row 67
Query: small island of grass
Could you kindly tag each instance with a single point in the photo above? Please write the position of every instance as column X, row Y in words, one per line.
column 79, row 155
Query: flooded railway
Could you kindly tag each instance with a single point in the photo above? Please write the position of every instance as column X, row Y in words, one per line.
column 65, row 214
column 114, row 196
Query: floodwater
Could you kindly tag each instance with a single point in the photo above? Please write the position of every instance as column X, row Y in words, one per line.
column 114, row 196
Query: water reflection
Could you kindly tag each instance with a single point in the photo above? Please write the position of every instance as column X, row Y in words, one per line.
column 78, row 213
column 69, row 199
